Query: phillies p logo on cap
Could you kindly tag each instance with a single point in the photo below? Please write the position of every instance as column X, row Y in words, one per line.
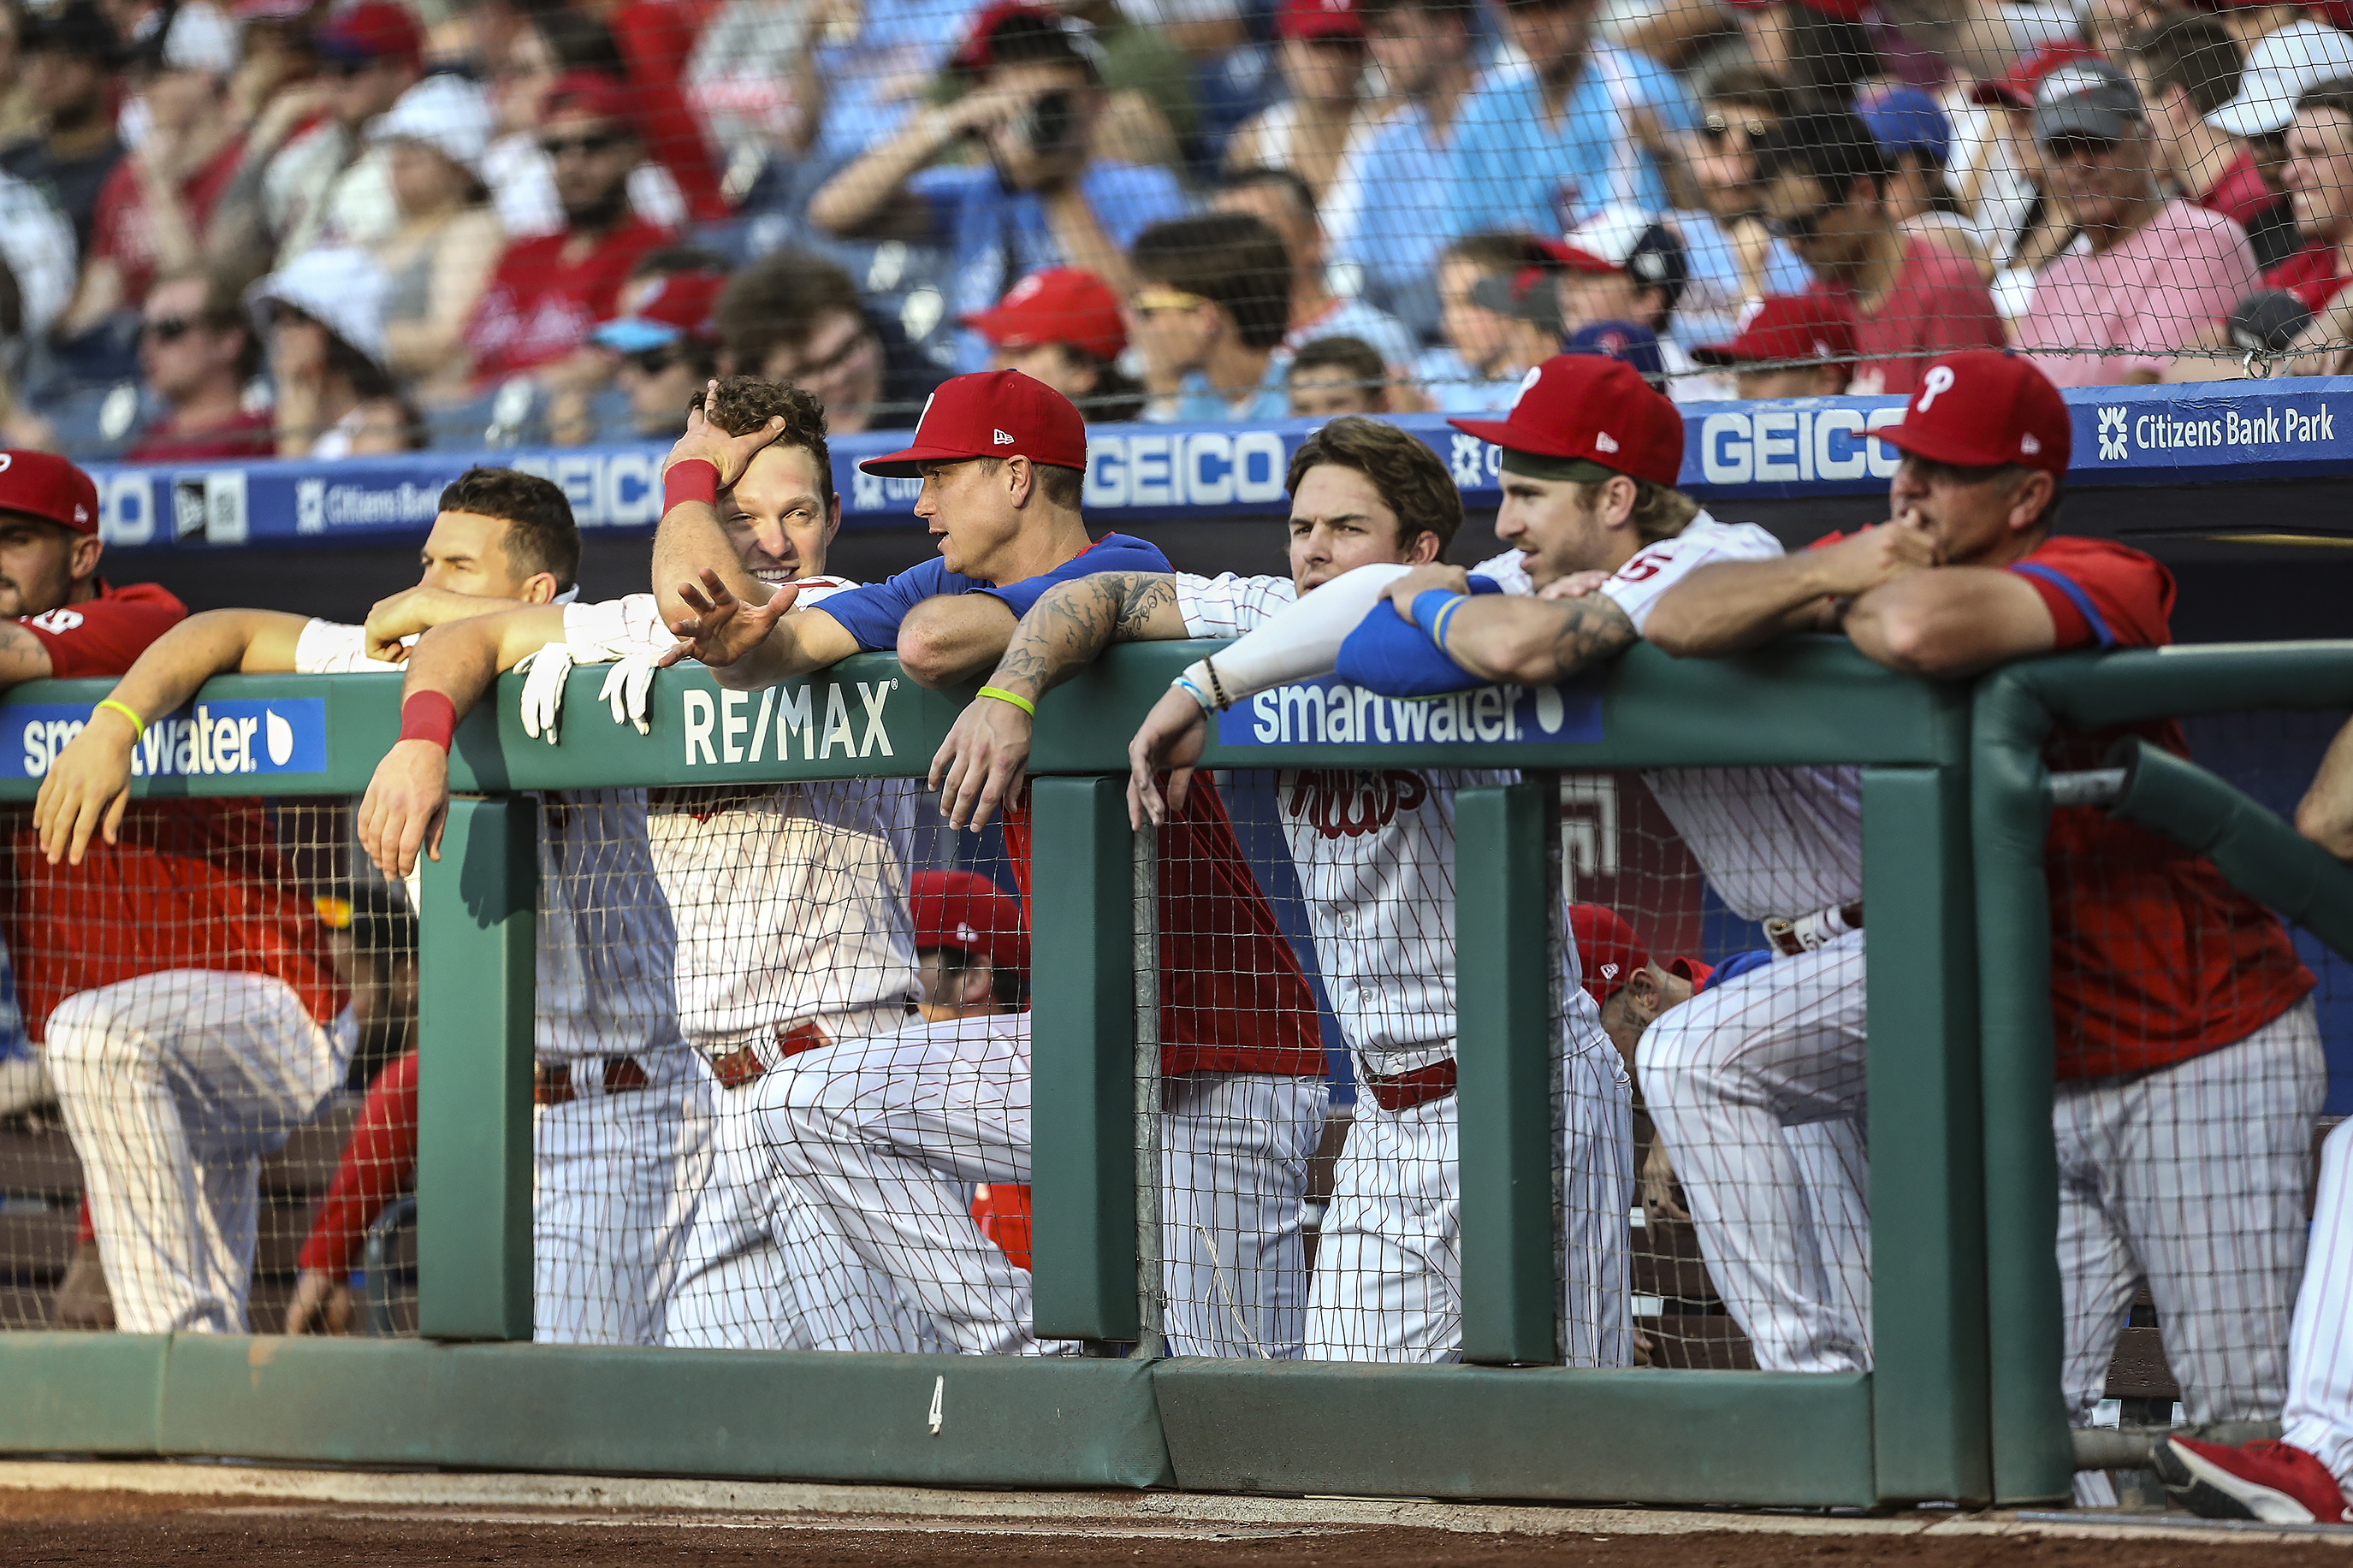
column 1985, row 408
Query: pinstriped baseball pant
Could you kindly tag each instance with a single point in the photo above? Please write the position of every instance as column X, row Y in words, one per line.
column 2193, row 1177
column 2320, row 1347
column 1757, row 1086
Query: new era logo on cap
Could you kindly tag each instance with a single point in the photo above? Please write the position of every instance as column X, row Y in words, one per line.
column 1603, row 443
column 1001, row 439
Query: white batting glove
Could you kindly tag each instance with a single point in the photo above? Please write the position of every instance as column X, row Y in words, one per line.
column 544, row 674
column 628, row 687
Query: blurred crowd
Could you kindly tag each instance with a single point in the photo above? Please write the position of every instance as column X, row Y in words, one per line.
column 241, row 229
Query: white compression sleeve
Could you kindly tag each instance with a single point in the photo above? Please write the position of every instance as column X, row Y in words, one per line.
column 1302, row 642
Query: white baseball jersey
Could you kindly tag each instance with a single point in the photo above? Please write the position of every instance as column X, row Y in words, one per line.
column 603, row 965
column 790, row 900
column 1375, row 850
column 1771, row 841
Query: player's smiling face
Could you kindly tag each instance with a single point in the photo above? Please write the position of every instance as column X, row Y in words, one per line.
column 1339, row 523
column 781, row 515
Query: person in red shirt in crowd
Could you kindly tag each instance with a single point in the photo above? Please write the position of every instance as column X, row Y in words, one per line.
column 975, row 956
column 2186, row 66
column 2189, row 1052
column 1824, row 182
column 197, row 350
column 550, row 293
column 655, row 37
column 152, row 208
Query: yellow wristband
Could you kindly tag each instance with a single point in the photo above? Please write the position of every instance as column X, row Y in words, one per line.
column 138, row 725
column 1013, row 697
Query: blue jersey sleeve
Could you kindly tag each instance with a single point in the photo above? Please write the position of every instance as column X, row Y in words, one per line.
column 1112, row 553
column 871, row 614
column 1390, row 655
column 1738, row 965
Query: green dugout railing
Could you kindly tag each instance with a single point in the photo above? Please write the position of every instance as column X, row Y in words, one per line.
column 1964, row 1329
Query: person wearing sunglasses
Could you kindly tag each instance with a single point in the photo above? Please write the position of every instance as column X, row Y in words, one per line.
column 1208, row 317
column 665, row 344
column 549, row 292
column 1823, row 179
column 197, row 350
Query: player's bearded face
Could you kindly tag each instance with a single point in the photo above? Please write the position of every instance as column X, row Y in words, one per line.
column 36, row 567
column 1555, row 524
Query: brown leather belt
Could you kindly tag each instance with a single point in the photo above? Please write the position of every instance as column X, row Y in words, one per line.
column 743, row 1064
column 1407, row 1089
column 550, row 1082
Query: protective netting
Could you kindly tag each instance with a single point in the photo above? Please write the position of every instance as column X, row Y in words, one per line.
column 552, row 222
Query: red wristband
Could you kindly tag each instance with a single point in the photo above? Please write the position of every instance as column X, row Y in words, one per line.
column 695, row 478
column 428, row 716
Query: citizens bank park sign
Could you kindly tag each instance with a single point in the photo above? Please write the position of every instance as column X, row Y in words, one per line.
column 2220, row 432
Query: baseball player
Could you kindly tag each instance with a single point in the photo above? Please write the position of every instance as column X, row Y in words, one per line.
column 789, row 900
column 2187, row 1050
column 621, row 1136
column 887, row 1133
column 1376, row 858
column 1589, row 456
column 975, row 958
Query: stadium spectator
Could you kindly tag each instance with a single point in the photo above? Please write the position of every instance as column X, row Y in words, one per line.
column 532, row 58
column 1548, row 141
column 1281, row 200
column 1336, row 376
column 1825, row 183
column 314, row 176
column 1786, row 329
column 754, row 80
column 548, row 293
column 324, row 315
column 1734, row 259
column 1619, row 266
column 1042, row 196
column 2293, row 53
column 655, row 39
column 153, row 207
column 665, row 337
column 197, row 350
column 795, row 318
column 445, row 239
column 20, row 115
column 1916, row 140
column 2179, row 1004
column 1383, row 213
column 1208, row 315
column 1144, row 69
column 1820, row 47
column 1486, row 284
column 71, row 59
column 2148, row 272
column 2187, row 67
column 1320, row 52
column 1064, row 328
column 36, row 251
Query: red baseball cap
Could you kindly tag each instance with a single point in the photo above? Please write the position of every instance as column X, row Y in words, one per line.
column 1307, row 19
column 994, row 414
column 1608, row 948
column 1691, row 969
column 44, row 485
column 667, row 309
column 597, row 94
column 1059, row 305
column 2016, row 90
column 1593, row 407
column 1788, row 326
column 965, row 909
column 373, row 30
column 1982, row 408
column 978, row 50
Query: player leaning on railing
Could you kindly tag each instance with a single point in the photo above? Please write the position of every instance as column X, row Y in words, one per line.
column 1369, row 502
column 604, row 1244
column 788, row 900
column 886, row 1133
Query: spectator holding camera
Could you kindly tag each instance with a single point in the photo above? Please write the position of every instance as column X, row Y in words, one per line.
column 2144, row 271
column 1039, row 197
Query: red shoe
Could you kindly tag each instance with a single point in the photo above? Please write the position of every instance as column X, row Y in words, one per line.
column 2269, row 1481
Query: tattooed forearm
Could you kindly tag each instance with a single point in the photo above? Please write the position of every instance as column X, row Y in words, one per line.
column 1071, row 626
column 22, row 655
column 1529, row 642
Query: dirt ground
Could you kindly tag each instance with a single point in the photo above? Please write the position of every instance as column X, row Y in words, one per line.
column 95, row 1528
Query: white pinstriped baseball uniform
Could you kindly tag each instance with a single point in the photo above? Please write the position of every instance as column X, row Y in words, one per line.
column 2320, row 1414
column 1375, row 851
column 615, row 1172
column 1756, row 1085
column 790, row 906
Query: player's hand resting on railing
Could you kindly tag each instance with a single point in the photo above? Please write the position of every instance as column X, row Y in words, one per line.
column 723, row 628
column 321, row 1303
column 88, row 788
column 983, row 763
column 1172, row 737
column 406, row 805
